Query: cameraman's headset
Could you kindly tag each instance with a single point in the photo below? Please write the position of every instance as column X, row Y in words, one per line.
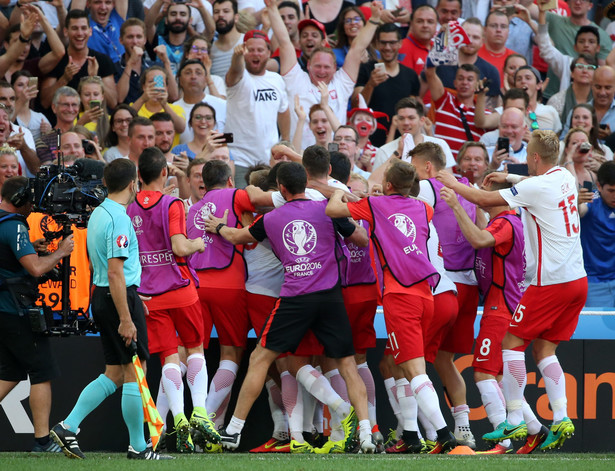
column 21, row 197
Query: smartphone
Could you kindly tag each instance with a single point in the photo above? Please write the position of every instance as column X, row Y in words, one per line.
column 33, row 82
column 228, row 137
column 603, row 126
column 94, row 103
column 551, row 5
column 509, row 10
column 518, row 169
column 333, row 147
column 469, row 174
column 380, row 66
column 158, row 81
column 588, row 186
column 503, row 143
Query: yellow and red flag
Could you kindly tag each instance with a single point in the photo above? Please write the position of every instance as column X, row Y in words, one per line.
column 150, row 413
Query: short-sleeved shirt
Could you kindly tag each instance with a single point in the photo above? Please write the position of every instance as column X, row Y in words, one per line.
column 179, row 111
column 447, row 74
column 362, row 210
column 553, row 230
column 106, row 39
column 598, row 241
column 187, row 295
column 105, row 68
column 298, row 83
column 14, row 244
column 412, row 54
column 111, row 235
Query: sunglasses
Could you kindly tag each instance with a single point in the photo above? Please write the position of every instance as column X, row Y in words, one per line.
column 534, row 124
column 584, row 66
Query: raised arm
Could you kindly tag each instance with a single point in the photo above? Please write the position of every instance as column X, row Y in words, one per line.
column 235, row 71
column 362, row 41
column 288, row 57
column 53, row 57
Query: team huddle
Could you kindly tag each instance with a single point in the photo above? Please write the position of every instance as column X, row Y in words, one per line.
column 308, row 276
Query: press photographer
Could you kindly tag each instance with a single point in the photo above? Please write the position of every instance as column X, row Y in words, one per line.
column 24, row 351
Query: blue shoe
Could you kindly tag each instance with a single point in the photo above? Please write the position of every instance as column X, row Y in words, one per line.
column 558, row 434
column 49, row 447
column 505, row 430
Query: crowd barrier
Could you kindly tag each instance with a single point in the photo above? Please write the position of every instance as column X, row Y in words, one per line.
column 587, row 361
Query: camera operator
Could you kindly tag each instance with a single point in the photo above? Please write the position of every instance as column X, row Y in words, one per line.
column 50, row 292
column 24, row 351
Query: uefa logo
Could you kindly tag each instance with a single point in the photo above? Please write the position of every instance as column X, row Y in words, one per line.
column 404, row 224
column 137, row 221
column 202, row 215
column 299, row 237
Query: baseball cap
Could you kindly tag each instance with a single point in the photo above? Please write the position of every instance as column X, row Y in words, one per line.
column 316, row 24
column 256, row 34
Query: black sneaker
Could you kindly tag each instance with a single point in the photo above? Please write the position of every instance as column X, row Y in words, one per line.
column 49, row 447
column 228, row 441
column 147, row 454
column 66, row 440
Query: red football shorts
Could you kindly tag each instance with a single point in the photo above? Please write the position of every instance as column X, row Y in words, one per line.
column 406, row 318
column 361, row 316
column 445, row 309
column 549, row 312
column 460, row 337
column 228, row 310
column 164, row 326
column 259, row 308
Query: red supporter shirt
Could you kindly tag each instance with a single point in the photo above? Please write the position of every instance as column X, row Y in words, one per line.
column 234, row 276
column 361, row 210
column 187, row 295
column 449, row 125
column 413, row 54
column 497, row 60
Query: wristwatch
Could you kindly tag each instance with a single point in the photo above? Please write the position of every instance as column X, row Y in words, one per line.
column 219, row 227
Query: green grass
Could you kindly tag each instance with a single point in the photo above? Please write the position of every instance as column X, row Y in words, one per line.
column 247, row 462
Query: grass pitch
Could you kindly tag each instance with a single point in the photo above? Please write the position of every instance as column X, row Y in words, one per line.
column 271, row 462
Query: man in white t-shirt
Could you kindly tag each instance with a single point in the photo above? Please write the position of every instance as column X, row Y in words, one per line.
column 549, row 309
column 257, row 104
column 321, row 68
column 410, row 118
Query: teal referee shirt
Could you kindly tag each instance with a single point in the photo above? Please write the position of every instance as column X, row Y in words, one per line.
column 111, row 235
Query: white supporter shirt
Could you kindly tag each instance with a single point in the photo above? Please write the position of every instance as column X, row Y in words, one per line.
column 298, row 83
column 553, row 230
column 435, row 257
column 218, row 104
column 427, row 194
column 386, row 151
column 253, row 105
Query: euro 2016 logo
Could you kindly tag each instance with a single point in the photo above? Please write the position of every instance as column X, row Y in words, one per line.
column 202, row 215
column 299, row 237
column 137, row 222
column 404, row 224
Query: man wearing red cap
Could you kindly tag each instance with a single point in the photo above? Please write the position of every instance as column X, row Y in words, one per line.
column 257, row 104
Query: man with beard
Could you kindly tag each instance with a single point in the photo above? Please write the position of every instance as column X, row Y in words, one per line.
column 257, row 104
column 106, row 23
column 163, row 139
column 176, row 22
column 225, row 17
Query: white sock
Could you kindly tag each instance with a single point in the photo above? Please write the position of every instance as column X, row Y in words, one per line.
column 235, row 425
column 555, row 384
column 278, row 415
column 196, row 375
column 370, row 387
column 493, row 401
column 533, row 424
column 293, row 403
column 309, row 409
column 514, row 379
column 337, row 383
column 162, row 404
column 430, row 431
column 173, row 387
column 220, row 390
column 318, row 418
column 427, row 400
column 318, row 386
column 391, row 388
column 461, row 414
column 365, row 431
column 407, row 404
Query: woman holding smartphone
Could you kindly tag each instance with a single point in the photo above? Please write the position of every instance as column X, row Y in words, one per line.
column 577, row 158
column 26, row 89
column 93, row 109
column 202, row 120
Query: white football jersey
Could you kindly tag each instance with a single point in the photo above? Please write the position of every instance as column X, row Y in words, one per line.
column 554, row 226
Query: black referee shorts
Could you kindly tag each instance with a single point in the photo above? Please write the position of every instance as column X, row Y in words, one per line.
column 108, row 322
column 323, row 312
column 24, row 353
